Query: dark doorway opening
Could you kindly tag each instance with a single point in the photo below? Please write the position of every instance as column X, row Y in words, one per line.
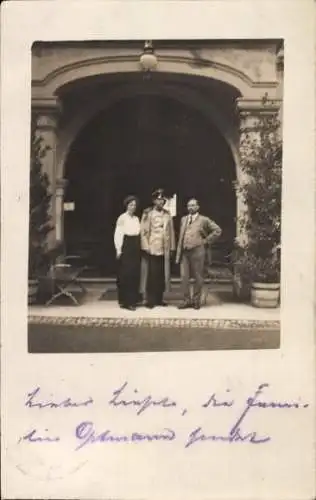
column 137, row 145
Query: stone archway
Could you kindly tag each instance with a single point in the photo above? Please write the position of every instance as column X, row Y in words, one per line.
column 101, row 174
column 76, row 67
column 184, row 95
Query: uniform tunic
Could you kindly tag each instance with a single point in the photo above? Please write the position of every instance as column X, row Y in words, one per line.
column 156, row 237
column 157, row 241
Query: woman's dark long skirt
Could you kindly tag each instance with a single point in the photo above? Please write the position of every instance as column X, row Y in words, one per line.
column 128, row 275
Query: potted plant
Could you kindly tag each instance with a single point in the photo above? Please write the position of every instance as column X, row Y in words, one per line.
column 39, row 217
column 261, row 163
column 265, row 288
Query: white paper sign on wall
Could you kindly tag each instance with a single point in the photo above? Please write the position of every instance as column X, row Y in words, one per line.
column 69, row 206
column 171, row 205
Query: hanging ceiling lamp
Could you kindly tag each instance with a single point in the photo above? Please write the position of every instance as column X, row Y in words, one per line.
column 148, row 59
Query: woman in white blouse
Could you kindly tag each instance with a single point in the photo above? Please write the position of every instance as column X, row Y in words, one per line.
column 127, row 246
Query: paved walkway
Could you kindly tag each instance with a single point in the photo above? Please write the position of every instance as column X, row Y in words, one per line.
column 94, row 308
column 101, row 326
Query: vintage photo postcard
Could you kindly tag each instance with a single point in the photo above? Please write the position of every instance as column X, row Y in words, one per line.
column 155, row 195
column 157, row 260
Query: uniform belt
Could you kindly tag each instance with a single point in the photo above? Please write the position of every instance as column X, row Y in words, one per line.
column 192, row 248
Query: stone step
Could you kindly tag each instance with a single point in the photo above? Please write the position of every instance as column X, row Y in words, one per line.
column 215, row 275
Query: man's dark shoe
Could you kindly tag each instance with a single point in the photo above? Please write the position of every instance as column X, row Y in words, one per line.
column 163, row 303
column 185, row 305
column 196, row 306
column 149, row 306
column 129, row 308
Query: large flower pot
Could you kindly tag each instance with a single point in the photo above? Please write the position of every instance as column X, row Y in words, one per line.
column 265, row 294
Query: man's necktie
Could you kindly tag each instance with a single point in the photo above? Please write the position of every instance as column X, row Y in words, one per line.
column 190, row 219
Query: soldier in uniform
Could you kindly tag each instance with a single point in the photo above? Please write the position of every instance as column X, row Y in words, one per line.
column 157, row 243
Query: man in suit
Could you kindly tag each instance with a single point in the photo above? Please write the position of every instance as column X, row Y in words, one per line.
column 196, row 232
column 157, row 243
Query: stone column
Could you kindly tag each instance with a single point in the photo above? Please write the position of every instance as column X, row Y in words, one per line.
column 46, row 113
column 59, row 209
column 249, row 113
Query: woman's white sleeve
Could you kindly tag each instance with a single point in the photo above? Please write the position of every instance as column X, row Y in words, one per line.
column 119, row 234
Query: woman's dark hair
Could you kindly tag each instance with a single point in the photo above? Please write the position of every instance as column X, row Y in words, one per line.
column 128, row 200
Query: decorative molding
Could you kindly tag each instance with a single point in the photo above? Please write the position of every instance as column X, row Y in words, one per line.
column 192, row 44
column 190, row 61
column 51, row 103
column 47, row 111
column 61, row 185
column 280, row 60
column 254, row 106
column 46, row 121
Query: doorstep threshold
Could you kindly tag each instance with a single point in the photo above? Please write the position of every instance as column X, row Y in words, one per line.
column 173, row 280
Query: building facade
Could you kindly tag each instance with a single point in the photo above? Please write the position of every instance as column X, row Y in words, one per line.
column 115, row 130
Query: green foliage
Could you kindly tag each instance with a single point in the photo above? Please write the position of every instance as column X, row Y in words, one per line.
column 261, row 162
column 40, row 199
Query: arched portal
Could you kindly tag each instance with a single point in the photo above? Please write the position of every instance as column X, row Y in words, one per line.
column 225, row 122
column 138, row 144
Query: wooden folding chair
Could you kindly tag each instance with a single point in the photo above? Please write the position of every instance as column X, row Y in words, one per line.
column 64, row 278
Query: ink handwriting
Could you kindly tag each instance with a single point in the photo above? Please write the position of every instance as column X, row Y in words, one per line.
column 214, row 401
column 120, row 400
column 34, row 437
column 235, row 435
column 86, row 433
column 33, row 401
column 125, row 397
